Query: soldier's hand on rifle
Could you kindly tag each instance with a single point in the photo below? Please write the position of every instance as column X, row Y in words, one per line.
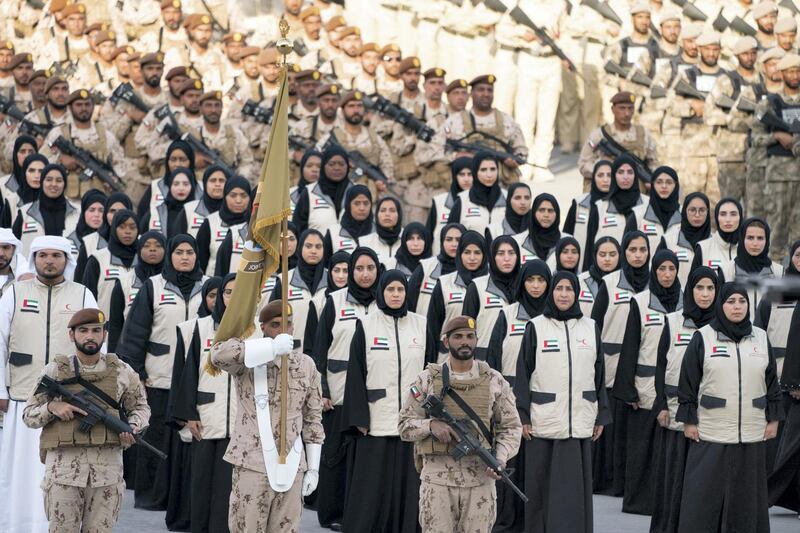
column 63, row 410
column 68, row 162
column 127, row 440
column 698, row 106
column 491, row 473
column 509, row 162
column 527, row 431
column 39, row 141
column 442, row 432
column 529, row 36
column 196, row 429
column 785, row 139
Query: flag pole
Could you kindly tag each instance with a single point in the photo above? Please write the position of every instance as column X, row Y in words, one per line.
column 284, row 47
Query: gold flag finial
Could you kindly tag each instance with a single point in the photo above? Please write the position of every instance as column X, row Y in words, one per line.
column 283, row 27
column 284, row 45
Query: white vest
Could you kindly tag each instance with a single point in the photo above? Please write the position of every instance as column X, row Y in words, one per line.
column 731, row 272
column 652, row 317
column 681, row 330
column 344, row 325
column 582, row 207
column 395, row 353
column 683, row 249
column 321, row 211
column 218, row 231
column 733, row 392
column 716, row 252
column 620, row 293
column 300, row 296
column 647, row 222
column 240, row 232
column 38, row 330
column 587, row 291
column 527, row 253
column 492, row 301
column 111, row 270
column 443, row 203
column 216, row 397
column 384, row 250
column 516, row 320
column 778, row 331
column 169, row 309
column 341, row 240
column 478, row 218
column 431, row 272
column 196, row 212
column 33, row 225
column 563, row 393
column 610, row 223
column 500, row 227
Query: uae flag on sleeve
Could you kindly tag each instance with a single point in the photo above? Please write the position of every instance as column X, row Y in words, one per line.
column 270, row 208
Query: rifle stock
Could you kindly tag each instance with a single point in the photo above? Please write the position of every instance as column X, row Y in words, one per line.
column 739, row 25
column 604, row 10
column 461, row 146
column 773, row 121
column 684, row 89
column 642, row 170
column 92, row 167
column 402, row 116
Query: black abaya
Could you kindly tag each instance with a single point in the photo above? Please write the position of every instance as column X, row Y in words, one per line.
column 608, row 452
column 784, row 482
column 332, row 470
column 148, row 494
column 639, row 442
column 669, row 457
column 210, row 486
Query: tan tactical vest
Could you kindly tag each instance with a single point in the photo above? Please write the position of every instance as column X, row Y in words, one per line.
column 732, row 398
column 344, row 326
column 637, row 146
column 74, row 187
column 562, row 387
column 39, row 330
column 487, row 137
column 60, row 433
column 475, row 392
column 395, row 357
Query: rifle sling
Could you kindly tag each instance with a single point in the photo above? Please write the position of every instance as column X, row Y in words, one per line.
column 90, row 387
column 507, row 147
column 463, row 405
column 214, row 19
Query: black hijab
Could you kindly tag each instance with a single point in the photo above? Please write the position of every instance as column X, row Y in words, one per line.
column 334, row 189
column 562, row 243
column 183, row 280
column 551, row 310
column 448, row 263
column 594, row 270
column 404, row 256
column 790, row 268
column 16, row 166
column 533, row 306
column 53, row 210
column 126, row 253
column 735, row 331
column 146, row 270
column 362, row 295
column 692, row 234
column 467, row 238
column 733, row 236
column 637, row 277
column 517, row 222
column 114, row 198
column 308, row 154
column 213, row 204
column 668, row 296
column 389, row 235
column 752, row 264
column 480, row 194
column 664, row 208
column 544, row 239
column 219, row 305
column 311, row 274
column 354, row 227
column 339, row 257
column 624, row 199
column 699, row 316
column 90, row 197
column 595, row 193
column 184, row 147
column 458, row 164
column 26, row 193
column 176, row 219
column 386, row 278
column 214, row 282
column 229, row 217
column 292, row 258
column 506, row 282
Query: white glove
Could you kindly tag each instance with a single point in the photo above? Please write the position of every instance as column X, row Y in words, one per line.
column 253, row 246
column 258, row 352
column 283, row 344
column 310, row 480
column 311, row 477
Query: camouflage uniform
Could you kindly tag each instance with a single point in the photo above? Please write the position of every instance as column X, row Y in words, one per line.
column 371, row 146
column 254, row 505
column 83, row 485
column 461, row 487
column 636, row 139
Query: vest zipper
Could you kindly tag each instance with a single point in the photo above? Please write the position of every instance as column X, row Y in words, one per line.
column 739, row 362
column 569, row 360
column 399, row 367
column 47, row 338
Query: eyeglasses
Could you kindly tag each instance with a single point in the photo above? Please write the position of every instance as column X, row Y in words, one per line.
column 697, row 210
column 388, row 59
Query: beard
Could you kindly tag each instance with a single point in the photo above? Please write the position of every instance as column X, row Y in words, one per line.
column 354, row 119
column 462, row 353
column 88, row 347
column 153, row 81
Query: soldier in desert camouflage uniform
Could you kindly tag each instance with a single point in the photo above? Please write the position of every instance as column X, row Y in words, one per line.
column 459, row 495
column 254, row 505
column 83, row 483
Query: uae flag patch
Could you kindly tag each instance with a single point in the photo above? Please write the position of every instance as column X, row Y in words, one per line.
column 238, row 246
column 112, row 273
column 444, row 217
column 719, row 350
column 348, row 313
column 586, row 297
column 132, row 296
column 455, row 297
column 649, row 229
column 609, row 221
column 473, row 212
column 30, row 227
column 428, row 286
column 155, row 224
column 517, row 328
column 268, row 285
column 347, row 244
column 493, row 301
column 380, row 343
column 220, row 235
column 319, row 203
column 29, row 305
column 167, row 298
column 295, row 294
column 714, row 263
column 550, row 345
column 197, row 222
column 653, row 319
column 622, row 297
column 209, row 344
column 682, row 339
column 527, row 257
column 682, row 255
column 581, row 218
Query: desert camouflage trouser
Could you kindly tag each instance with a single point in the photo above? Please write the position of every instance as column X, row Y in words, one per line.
column 444, row 509
column 86, row 509
column 256, row 507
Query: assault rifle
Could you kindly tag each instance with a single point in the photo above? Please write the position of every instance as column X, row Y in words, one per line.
column 789, row 4
column 773, row 121
column 404, row 117
column 65, row 69
column 611, row 147
column 95, row 412
column 362, row 166
column 638, row 77
column 739, row 25
column 468, row 442
column 124, row 91
column 690, row 10
column 727, row 103
column 684, row 89
column 474, row 148
column 7, row 107
column 199, row 147
column 519, row 16
column 92, row 167
column 297, row 143
column 604, row 10
column 261, row 114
